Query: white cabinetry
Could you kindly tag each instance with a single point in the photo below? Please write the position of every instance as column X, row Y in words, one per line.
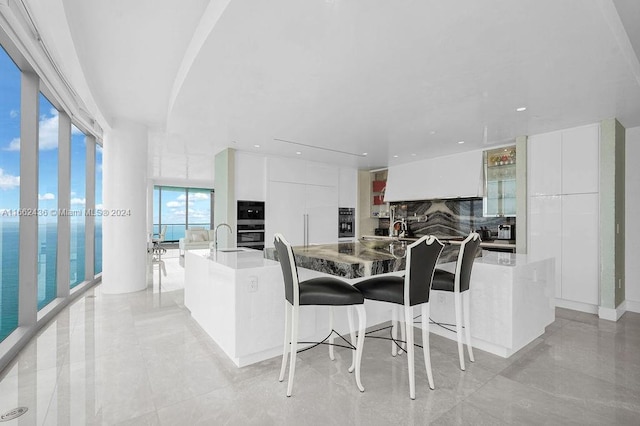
column 302, row 202
column 348, row 187
column 580, row 248
column 563, row 179
column 580, row 160
column 250, row 176
column 544, row 174
column 451, row 176
column 545, row 232
column 284, row 212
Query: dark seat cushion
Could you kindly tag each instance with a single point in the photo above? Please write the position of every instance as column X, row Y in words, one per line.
column 385, row 288
column 443, row 280
column 329, row 291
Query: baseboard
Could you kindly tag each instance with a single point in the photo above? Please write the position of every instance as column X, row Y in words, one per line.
column 612, row 314
column 632, row 305
column 577, row 306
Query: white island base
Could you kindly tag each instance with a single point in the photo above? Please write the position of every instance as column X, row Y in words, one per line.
column 238, row 299
column 512, row 301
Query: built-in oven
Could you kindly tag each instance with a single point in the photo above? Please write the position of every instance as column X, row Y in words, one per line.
column 346, row 224
column 251, row 224
column 253, row 210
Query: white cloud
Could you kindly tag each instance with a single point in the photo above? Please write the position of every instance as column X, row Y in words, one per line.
column 14, row 145
column 198, row 196
column 175, row 204
column 181, row 197
column 199, row 214
column 48, row 133
column 78, row 201
column 8, row 181
column 14, row 113
column 46, row 196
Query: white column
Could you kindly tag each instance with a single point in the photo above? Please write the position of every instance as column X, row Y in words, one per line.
column 90, row 205
column 64, row 203
column 28, row 294
column 125, row 190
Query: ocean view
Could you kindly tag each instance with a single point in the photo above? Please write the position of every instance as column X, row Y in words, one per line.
column 47, row 255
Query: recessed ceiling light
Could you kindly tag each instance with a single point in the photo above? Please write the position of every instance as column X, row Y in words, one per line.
column 433, row 132
column 298, row 152
column 520, row 109
column 395, row 156
column 413, row 154
column 460, row 142
column 364, row 153
column 256, row 146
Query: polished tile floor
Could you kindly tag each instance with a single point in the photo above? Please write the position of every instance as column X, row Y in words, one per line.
column 140, row 359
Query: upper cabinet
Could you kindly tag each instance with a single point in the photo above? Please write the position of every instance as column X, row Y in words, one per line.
column 451, row 176
column 250, row 173
column 379, row 206
column 282, row 169
column 348, row 187
column 564, row 162
column 580, row 160
column 545, row 164
column 500, row 182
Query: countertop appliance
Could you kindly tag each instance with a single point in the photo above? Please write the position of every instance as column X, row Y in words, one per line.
column 251, row 224
column 346, row 225
column 506, row 232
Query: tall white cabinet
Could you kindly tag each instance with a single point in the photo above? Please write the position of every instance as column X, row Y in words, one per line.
column 563, row 188
column 302, row 201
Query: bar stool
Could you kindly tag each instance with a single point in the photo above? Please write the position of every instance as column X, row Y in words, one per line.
column 409, row 291
column 458, row 284
column 326, row 291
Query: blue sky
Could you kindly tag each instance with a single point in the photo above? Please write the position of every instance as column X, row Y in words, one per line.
column 9, row 132
column 174, row 206
column 48, row 149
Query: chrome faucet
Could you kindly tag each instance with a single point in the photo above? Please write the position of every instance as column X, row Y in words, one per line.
column 403, row 227
column 215, row 242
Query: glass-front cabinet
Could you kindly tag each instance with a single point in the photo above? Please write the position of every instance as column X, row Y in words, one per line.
column 500, row 182
column 379, row 207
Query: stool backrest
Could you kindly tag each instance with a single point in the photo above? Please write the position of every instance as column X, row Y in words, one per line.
column 289, row 269
column 466, row 257
column 422, row 257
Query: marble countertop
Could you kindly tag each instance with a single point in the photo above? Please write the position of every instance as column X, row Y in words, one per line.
column 354, row 260
column 507, row 244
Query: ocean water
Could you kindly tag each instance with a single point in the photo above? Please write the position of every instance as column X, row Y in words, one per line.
column 47, row 254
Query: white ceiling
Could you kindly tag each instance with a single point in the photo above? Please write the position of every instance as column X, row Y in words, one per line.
column 383, row 77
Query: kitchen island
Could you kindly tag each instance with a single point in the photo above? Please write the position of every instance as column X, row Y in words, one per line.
column 512, row 295
column 238, row 297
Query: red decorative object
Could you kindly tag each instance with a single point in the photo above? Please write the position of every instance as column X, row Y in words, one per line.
column 378, row 185
column 378, row 200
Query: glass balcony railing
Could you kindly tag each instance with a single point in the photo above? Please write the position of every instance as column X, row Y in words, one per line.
column 175, row 231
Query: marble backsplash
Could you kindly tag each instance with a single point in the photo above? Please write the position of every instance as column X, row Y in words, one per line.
column 446, row 217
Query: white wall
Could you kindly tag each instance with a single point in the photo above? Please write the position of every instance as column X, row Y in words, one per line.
column 632, row 224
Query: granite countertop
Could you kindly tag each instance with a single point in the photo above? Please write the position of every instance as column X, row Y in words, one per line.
column 507, row 244
column 355, row 260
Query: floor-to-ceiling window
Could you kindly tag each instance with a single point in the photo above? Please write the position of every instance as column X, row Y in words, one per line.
column 9, row 192
column 98, row 217
column 47, row 201
column 179, row 208
column 199, row 207
column 78, row 201
column 173, row 212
